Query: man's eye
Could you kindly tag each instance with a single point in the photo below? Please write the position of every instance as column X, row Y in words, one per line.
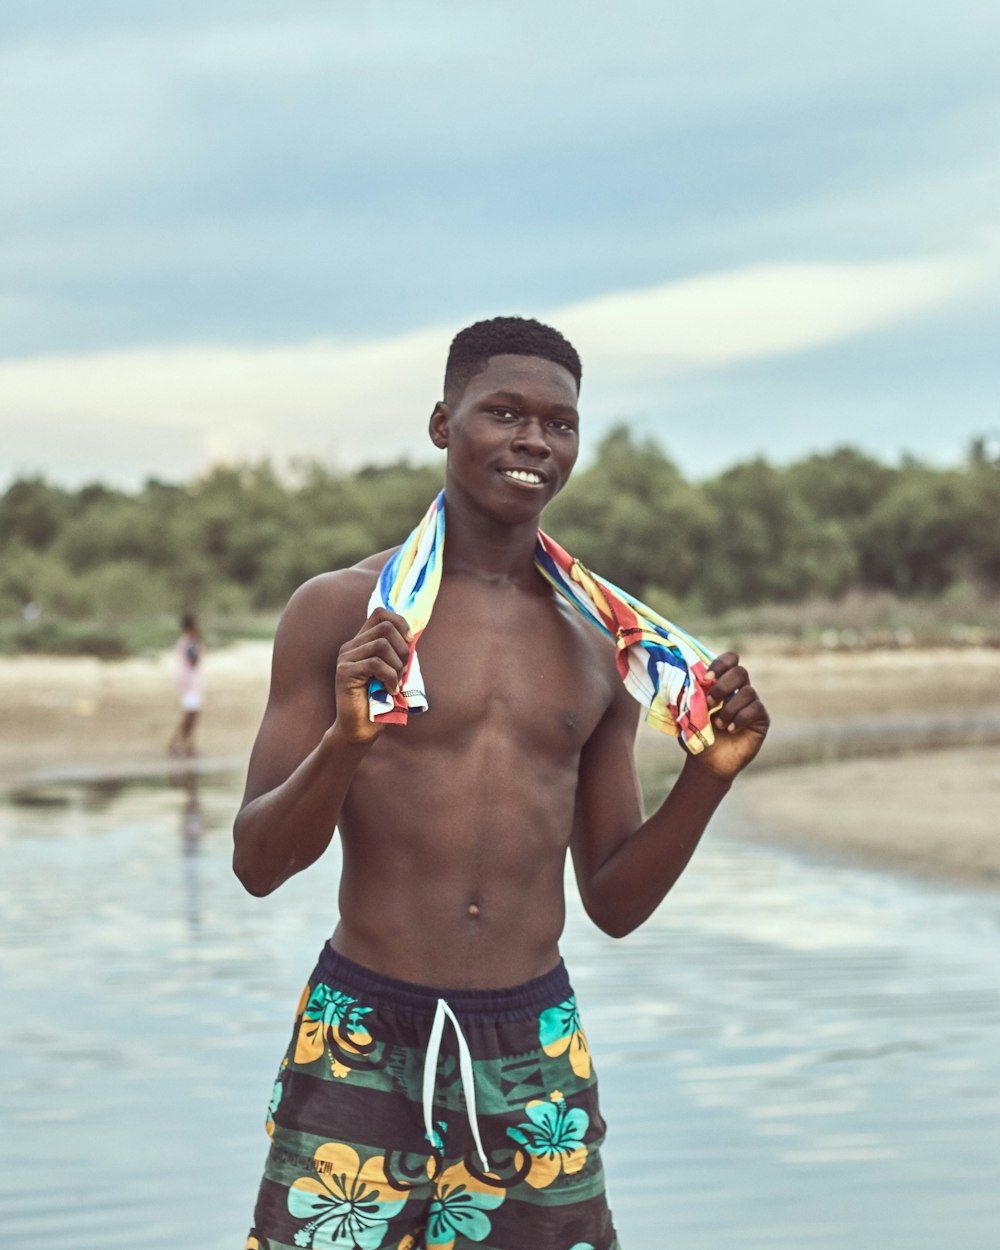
column 563, row 427
column 505, row 413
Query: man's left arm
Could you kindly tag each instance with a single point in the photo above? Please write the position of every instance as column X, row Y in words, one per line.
column 624, row 864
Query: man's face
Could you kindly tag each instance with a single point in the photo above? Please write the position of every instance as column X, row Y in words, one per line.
column 512, row 436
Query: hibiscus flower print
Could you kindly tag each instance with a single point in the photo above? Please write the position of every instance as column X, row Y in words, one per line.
column 559, row 1031
column 272, row 1106
column 276, row 1093
column 553, row 1136
column 459, row 1208
column 324, row 1009
column 346, row 1202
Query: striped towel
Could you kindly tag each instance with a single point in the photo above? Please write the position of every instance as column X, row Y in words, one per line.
column 662, row 666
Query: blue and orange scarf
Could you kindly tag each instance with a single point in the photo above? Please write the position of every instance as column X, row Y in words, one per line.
column 663, row 667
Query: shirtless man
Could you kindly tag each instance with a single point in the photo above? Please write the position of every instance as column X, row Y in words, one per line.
column 438, row 1090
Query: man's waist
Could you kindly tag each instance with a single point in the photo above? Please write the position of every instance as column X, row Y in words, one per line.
column 518, row 1001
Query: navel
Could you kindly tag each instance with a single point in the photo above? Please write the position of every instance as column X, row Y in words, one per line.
column 473, row 911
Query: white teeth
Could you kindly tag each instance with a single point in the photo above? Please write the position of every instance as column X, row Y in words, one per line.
column 523, row 475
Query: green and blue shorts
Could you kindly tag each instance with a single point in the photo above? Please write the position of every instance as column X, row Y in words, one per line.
column 406, row 1117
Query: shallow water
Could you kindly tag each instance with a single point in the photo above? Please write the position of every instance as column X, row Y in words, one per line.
column 793, row 1052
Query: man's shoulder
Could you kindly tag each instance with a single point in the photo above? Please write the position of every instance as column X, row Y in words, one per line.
column 336, row 601
column 345, row 585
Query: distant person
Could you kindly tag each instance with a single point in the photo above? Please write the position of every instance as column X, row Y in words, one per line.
column 438, row 1089
column 189, row 651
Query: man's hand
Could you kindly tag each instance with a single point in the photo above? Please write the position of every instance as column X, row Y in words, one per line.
column 379, row 650
column 742, row 722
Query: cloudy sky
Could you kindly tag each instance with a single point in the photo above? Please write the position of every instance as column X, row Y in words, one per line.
column 242, row 229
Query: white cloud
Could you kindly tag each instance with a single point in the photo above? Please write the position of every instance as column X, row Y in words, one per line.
column 759, row 311
column 343, row 401
column 356, row 402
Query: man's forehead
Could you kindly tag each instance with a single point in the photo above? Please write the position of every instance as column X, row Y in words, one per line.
column 507, row 370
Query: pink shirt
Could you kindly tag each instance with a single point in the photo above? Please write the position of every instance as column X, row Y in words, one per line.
column 189, row 673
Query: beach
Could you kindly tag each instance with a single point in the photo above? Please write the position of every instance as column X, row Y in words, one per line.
column 932, row 812
column 862, row 713
column 78, row 716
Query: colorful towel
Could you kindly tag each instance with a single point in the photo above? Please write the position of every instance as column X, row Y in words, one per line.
column 662, row 666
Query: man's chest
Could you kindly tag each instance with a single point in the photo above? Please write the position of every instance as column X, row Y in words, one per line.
column 516, row 662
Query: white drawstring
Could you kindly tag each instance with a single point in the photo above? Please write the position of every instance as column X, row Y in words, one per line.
column 465, row 1071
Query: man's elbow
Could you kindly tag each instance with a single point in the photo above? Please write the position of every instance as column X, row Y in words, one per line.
column 616, row 928
column 253, row 884
column 250, row 879
column 611, row 921
column 247, row 866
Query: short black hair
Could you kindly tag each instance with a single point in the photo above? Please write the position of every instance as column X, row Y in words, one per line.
column 472, row 348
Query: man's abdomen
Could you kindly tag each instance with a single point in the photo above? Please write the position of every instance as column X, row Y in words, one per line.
column 457, row 878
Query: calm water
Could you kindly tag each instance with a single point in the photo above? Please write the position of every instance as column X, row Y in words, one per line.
column 793, row 1053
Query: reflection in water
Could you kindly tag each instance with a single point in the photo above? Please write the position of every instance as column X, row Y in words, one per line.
column 792, row 1054
column 192, row 829
column 98, row 795
column 38, row 796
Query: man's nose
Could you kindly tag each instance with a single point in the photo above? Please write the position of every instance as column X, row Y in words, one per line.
column 530, row 437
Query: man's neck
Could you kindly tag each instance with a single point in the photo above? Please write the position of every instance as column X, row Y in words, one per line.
column 478, row 546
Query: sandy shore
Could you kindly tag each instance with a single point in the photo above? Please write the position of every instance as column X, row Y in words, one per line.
column 70, row 716
column 934, row 811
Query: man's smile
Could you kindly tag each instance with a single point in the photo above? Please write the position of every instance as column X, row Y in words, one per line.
column 525, row 477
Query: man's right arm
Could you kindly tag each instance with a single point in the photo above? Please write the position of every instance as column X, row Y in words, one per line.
column 316, row 728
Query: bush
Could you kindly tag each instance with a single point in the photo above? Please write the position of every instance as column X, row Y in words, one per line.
column 111, row 569
column 55, row 637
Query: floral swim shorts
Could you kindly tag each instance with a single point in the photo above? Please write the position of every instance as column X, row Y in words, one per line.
column 405, row 1117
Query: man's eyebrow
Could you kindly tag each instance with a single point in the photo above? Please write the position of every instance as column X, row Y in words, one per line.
column 512, row 397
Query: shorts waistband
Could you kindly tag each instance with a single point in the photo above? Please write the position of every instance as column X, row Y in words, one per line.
column 510, row 1003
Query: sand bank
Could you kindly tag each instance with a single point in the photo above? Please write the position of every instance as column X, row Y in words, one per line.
column 932, row 812
column 69, row 716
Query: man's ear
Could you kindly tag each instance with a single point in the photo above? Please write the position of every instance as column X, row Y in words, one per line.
column 438, row 425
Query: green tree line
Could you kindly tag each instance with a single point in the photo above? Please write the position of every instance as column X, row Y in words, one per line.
column 239, row 539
